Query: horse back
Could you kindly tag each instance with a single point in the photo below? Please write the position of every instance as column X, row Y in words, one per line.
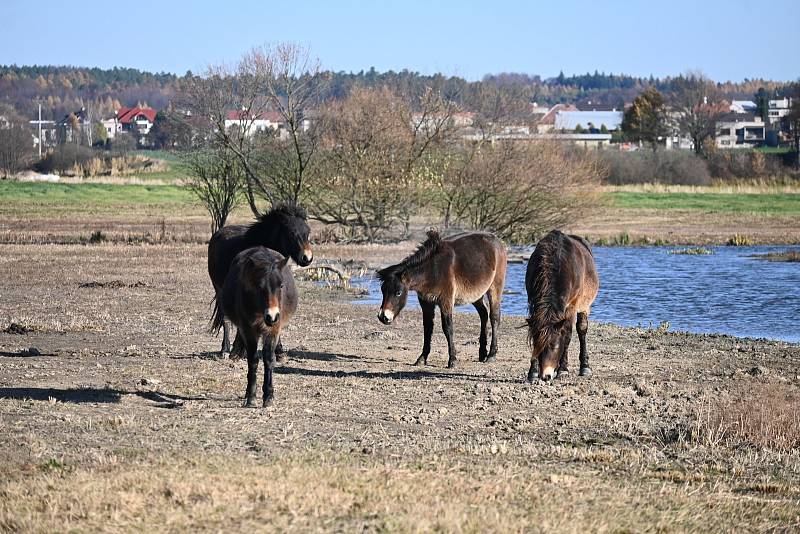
column 223, row 247
column 562, row 266
column 586, row 283
column 477, row 259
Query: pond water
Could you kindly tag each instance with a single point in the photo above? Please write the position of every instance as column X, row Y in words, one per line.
column 727, row 292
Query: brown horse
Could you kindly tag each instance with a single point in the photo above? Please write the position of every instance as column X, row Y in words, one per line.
column 283, row 229
column 259, row 297
column 449, row 272
column 561, row 281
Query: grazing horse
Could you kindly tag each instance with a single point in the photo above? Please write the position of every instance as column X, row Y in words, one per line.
column 561, row 281
column 449, row 272
column 283, row 229
column 259, row 297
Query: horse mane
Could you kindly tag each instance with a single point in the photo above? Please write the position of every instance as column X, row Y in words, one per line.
column 424, row 251
column 545, row 306
column 273, row 216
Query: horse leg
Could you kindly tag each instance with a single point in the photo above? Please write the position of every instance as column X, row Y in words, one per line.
column 562, row 362
column 251, row 345
column 268, row 355
column 239, row 348
column 494, row 317
column 428, row 311
column 226, row 340
column 483, row 313
column 280, row 353
column 583, row 327
column 447, row 328
column 533, row 371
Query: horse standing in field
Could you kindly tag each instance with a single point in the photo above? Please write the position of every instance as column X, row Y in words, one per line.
column 284, row 229
column 259, row 296
column 447, row 273
column 562, row 283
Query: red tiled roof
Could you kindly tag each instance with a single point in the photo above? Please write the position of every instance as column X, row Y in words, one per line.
column 128, row 115
column 241, row 115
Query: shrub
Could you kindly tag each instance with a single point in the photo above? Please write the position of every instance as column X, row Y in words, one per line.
column 665, row 166
column 66, row 159
column 518, row 191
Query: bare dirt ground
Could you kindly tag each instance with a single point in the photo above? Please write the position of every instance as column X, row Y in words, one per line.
column 126, row 421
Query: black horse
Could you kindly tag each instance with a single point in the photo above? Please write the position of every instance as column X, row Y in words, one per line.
column 284, row 229
column 259, row 297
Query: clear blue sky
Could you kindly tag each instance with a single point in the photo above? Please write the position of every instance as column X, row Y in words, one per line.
column 727, row 40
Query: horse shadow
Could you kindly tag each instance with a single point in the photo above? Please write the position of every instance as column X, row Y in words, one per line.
column 412, row 374
column 93, row 396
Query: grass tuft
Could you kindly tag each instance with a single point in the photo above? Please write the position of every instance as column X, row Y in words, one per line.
column 768, row 418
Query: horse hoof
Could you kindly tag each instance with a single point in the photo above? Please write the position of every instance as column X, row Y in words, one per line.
column 267, row 402
column 452, row 364
column 490, row 358
column 248, row 403
column 421, row 361
column 224, row 355
column 585, row 371
column 563, row 372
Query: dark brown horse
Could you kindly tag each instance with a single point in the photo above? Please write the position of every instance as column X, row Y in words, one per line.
column 283, row 229
column 259, row 297
column 561, row 281
column 446, row 273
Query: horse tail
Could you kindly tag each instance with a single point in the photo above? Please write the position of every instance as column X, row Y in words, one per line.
column 217, row 318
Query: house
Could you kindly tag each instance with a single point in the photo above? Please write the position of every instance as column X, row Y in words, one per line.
column 74, row 127
column 136, row 120
column 743, row 106
column 777, row 109
column 740, row 130
column 112, row 126
column 251, row 123
column 590, row 120
column 548, row 120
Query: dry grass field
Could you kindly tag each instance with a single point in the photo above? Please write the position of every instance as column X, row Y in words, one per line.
column 126, row 421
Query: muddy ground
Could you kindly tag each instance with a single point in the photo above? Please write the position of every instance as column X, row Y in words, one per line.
column 124, row 419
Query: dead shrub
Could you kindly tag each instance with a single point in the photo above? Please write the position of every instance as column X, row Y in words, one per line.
column 519, row 191
column 767, row 418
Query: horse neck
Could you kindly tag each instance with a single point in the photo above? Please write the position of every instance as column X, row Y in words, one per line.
column 264, row 234
column 416, row 276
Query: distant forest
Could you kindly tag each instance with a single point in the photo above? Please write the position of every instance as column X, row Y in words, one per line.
column 61, row 90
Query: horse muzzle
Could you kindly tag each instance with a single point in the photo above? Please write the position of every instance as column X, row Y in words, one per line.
column 306, row 257
column 386, row 316
column 272, row 318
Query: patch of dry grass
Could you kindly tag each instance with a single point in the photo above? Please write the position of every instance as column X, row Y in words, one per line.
column 768, row 417
column 322, row 492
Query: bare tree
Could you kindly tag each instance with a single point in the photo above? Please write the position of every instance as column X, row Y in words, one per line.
column 16, row 142
column 521, row 189
column 696, row 102
column 448, row 167
column 376, row 145
column 283, row 79
column 216, row 178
